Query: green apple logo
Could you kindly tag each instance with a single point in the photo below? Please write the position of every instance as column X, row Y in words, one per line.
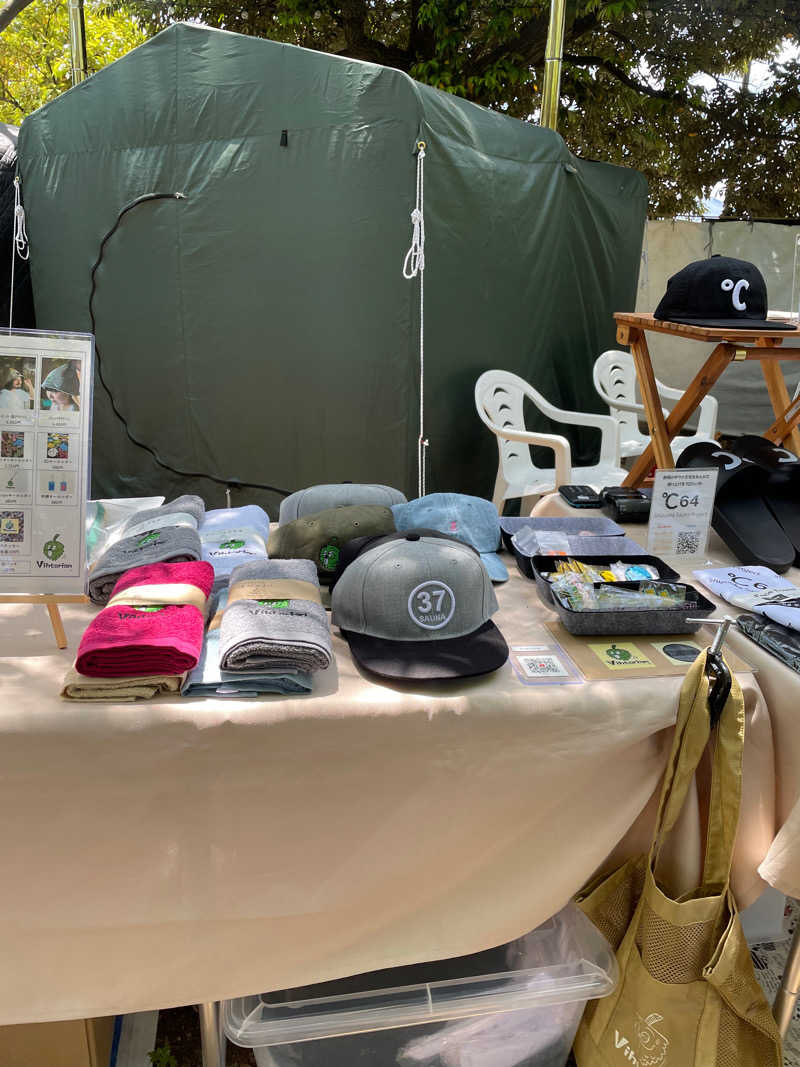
column 619, row 654
column 54, row 549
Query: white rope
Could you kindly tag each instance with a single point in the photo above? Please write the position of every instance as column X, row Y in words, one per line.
column 19, row 244
column 413, row 266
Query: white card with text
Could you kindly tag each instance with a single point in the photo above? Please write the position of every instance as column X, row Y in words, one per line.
column 680, row 512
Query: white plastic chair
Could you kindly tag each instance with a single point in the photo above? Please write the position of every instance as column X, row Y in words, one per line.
column 499, row 398
column 614, row 377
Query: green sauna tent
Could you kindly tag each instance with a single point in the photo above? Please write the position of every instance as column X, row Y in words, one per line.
column 260, row 328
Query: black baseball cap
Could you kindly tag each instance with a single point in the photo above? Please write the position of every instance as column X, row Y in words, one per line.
column 719, row 292
column 419, row 608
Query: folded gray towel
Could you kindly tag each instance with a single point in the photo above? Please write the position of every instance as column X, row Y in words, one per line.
column 274, row 618
column 208, row 680
column 300, row 570
column 168, row 544
column 183, row 508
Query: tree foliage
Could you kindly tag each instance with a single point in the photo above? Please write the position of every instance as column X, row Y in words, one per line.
column 653, row 84
column 35, row 56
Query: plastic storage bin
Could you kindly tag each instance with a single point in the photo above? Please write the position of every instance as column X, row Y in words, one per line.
column 513, row 1006
column 622, row 622
column 572, row 526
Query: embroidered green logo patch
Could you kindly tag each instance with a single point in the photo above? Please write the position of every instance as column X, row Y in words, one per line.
column 149, row 607
column 149, row 538
column 233, row 543
column 329, row 557
column 274, row 603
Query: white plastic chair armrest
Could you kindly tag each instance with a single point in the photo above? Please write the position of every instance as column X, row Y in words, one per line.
column 707, row 421
column 607, row 425
column 555, row 442
column 623, row 405
column 667, row 392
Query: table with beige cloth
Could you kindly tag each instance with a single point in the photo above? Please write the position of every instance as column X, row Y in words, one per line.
column 185, row 851
column 781, row 689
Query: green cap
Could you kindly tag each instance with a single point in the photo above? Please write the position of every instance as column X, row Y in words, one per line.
column 321, row 536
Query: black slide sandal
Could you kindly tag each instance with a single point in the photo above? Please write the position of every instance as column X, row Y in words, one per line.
column 741, row 516
column 781, row 491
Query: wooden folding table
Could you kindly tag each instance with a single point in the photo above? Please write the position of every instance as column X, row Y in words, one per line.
column 729, row 346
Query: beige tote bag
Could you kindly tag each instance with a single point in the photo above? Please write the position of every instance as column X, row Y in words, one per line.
column 687, row 995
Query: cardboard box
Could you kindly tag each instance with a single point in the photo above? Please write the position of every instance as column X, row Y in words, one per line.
column 74, row 1043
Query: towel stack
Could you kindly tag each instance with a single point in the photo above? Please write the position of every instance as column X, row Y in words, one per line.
column 275, row 618
column 231, row 536
column 208, row 678
column 269, row 633
column 159, row 535
column 147, row 638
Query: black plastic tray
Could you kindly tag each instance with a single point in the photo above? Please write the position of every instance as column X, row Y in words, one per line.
column 633, row 621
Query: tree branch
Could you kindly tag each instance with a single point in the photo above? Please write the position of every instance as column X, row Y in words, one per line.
column 10, row 10
column 621, row 76
column 360, row 46
column 531, row 41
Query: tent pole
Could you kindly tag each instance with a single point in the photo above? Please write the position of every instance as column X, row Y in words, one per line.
column 553, row 53
column 77, row 41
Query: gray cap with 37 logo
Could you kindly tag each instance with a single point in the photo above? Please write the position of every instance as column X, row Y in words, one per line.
column 419, row 607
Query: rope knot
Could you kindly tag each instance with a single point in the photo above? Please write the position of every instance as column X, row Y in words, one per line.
column 20, row 237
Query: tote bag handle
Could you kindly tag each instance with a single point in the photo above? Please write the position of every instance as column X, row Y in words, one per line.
column 692, row 732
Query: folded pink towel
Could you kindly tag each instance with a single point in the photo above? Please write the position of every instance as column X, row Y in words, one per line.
column 127, row 641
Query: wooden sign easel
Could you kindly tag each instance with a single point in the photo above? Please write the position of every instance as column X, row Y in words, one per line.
column 51, row 602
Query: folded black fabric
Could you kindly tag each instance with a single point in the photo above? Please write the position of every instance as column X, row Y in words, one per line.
column 780, row 641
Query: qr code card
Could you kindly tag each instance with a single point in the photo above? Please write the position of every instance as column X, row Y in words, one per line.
column 543, row 665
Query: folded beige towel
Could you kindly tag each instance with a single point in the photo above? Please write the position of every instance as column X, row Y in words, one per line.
column 80, row 687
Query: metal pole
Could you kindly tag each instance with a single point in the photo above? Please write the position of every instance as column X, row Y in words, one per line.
column 77, row 41
column 212, row 1040
column 553, row 53
column 786, row 998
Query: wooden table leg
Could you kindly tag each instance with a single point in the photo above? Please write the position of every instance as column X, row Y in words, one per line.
column 651, row 400
column 57, row 624
column 781, row 402
column 698, row 388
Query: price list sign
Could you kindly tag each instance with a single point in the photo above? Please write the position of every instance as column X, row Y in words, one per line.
column 45, row 416
column 680, row 513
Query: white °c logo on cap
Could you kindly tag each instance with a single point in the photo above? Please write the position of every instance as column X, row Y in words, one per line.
column 431, row 604
column 736, row 289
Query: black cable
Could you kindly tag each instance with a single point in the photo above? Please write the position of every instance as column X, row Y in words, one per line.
column 227, row 482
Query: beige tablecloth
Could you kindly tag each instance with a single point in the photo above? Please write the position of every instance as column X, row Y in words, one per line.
column 190, row 850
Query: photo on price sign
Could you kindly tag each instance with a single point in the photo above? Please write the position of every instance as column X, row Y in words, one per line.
column 17, row 384
column 58, row 446
column 60, row 390
column 12, row 444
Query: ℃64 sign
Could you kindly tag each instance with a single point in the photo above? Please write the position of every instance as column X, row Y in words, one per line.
column 45, row 418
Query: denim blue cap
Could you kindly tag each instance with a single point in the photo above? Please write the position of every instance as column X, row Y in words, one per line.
column 469, row 518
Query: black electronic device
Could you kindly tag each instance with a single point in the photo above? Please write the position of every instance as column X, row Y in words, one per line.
column 580, row 496
column 623, row 504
